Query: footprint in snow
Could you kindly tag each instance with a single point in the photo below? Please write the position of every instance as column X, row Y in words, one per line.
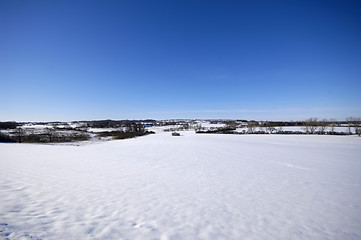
column 136, row 225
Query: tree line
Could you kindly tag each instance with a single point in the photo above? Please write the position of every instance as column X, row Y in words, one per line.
column 15, row 132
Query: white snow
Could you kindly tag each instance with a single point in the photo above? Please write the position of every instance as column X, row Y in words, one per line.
column 188, row 187
column 37, row 126
column 209, row 125
column 95, row 130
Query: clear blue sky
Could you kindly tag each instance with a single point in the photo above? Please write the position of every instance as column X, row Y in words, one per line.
column 265, row 60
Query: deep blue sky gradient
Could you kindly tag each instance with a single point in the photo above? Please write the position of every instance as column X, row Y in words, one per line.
column 265, row 60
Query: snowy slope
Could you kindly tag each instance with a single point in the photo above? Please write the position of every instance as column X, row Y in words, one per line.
column 187, row 187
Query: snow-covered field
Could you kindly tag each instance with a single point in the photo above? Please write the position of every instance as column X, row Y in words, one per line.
column 187, row 187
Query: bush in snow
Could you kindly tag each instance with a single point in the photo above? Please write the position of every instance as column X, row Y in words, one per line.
column 6, row 138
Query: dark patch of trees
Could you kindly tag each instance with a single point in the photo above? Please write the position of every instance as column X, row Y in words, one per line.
column 132, row 129
column 280, row 124
column 117, row 123
column 55, row 138
column 104, row 124
column 20, row 135
column 123, row 134
column 5, row 138
column 218, row 131
column 8, row 125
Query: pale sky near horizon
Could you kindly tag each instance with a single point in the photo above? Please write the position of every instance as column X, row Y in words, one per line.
column 263, row 60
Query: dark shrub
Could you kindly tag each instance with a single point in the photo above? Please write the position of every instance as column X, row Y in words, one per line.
column 6, row 138
column 8, row 125
column 122, row 134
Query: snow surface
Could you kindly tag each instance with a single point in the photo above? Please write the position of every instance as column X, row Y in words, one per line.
column 209, row 125
column 38, row 126
column 95, row 130
column 188, row 187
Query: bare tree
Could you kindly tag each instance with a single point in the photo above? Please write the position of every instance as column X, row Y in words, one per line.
column 268, row 126
column 251, row 126
column 262, row 126
column 323, row 125
column 332, row 126
column 311, row 125
column 50, row 132
column 20, row 134
column 198, row 127
column 139, row 127
column 128, row 126
column 358, row 130
column 354, row 123
column 349, row 121
column 270, row 129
